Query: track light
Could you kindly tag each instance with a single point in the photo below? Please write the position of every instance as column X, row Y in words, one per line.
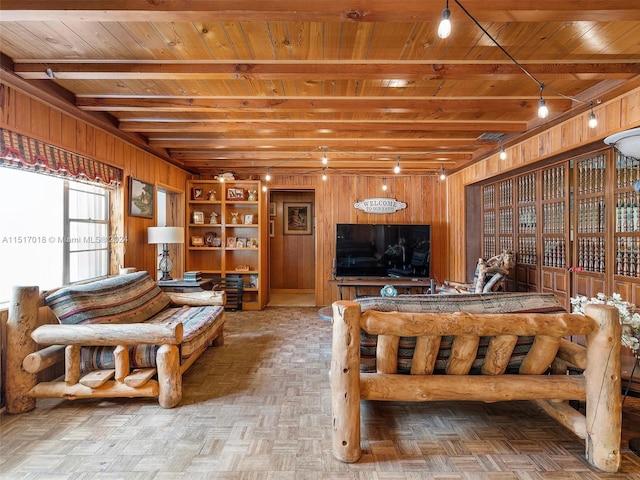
column 444, row 29
column 396, row 169
column 593, row 121
column 324, row 174
column 264, row 188
column 267, row 177
column 443, row 176
column 384, row 184
column 543, row 111
column 325, row 160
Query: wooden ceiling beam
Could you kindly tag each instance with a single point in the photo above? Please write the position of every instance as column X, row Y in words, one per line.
column 316, row 104
column 268, row 127
column 349, row 163
column 318, row 70
column 314, row 11
column 201, row 158
column 287, row 147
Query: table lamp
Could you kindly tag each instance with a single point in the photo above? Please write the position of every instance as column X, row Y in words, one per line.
column 165, row 236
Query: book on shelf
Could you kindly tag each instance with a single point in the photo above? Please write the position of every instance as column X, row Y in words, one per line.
column 193, row 276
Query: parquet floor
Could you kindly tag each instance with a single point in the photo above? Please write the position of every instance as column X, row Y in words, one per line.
column 259, row 408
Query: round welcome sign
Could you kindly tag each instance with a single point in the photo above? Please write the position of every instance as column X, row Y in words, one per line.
column 380, row 205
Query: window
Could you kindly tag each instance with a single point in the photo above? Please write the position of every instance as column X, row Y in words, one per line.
column 52, row 231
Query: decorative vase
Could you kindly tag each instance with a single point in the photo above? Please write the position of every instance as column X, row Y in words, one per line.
column 234, row 217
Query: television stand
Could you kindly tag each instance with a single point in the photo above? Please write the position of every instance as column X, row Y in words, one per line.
column 422, row 285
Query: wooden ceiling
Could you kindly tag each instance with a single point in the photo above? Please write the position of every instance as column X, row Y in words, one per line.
column 250, row 85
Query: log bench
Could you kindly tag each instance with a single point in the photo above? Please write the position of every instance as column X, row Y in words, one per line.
column 422, row 354
column 119, row 336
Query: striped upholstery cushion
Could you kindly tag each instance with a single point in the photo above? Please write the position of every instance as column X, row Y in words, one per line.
column 199, row 323
column 471, row 303
column 130, row 298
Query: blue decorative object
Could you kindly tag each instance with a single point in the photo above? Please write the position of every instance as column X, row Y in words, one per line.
column 389, row 291
column 636, row 186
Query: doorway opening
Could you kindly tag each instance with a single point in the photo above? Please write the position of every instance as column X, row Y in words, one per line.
column 292, row 248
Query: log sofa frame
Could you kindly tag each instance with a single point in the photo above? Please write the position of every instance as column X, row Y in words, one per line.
column 599, row 384
column 65, row 342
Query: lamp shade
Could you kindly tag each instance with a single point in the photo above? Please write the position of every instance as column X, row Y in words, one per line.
column 627, row 142
column 165, row 235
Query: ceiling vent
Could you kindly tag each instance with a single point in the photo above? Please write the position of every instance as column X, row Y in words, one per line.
column 494, row 137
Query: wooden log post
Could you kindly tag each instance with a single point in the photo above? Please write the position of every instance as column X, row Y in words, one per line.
column 169, row 376
column 72, row 367
column 121, row 357
column 603, row 389
column 43, row 359
column 345, row 381
column 23, row 318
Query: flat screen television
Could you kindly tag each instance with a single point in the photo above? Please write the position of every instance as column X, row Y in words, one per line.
column 382, row 250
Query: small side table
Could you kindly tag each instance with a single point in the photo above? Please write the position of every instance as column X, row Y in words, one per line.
column 185, row 286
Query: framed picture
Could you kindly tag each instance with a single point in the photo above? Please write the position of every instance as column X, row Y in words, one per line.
column 272, row 209
column 217, row 242
column 241, row 242
column 198, row 217
column 197, row 194
column 248, row 219
column 197, row 240
column 297, row 218
column 209, row 238
column 141, row 198
column 235, row 194
column 252, row 243
column 231, row 242
column 272, row 228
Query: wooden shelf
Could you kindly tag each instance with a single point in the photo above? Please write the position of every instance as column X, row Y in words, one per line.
column 222, row 260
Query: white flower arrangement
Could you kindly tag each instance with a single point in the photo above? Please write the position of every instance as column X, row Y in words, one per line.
column 629, row 318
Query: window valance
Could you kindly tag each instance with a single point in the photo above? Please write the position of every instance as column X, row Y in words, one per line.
column 21, row 151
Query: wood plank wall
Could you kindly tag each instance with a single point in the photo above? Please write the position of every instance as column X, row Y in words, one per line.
column 26, row 115
column 614, row 116
column 292, row 258
column 426, row 198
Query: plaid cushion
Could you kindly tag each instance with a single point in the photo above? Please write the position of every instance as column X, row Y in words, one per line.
column 471, row 303
column 130, row 298
column 199, row 324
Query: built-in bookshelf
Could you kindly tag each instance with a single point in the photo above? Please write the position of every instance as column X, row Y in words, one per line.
column 527, row 215
column 626, row 244
column 589, row 221
column 575, row 228
column 226, row 236
column 489, row 221
column 554, row 230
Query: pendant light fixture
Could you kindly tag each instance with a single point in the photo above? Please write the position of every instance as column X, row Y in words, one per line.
column 444, row 29
column 396, row 169
column 503, row 154
column 593, row 121
column 543, row 111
